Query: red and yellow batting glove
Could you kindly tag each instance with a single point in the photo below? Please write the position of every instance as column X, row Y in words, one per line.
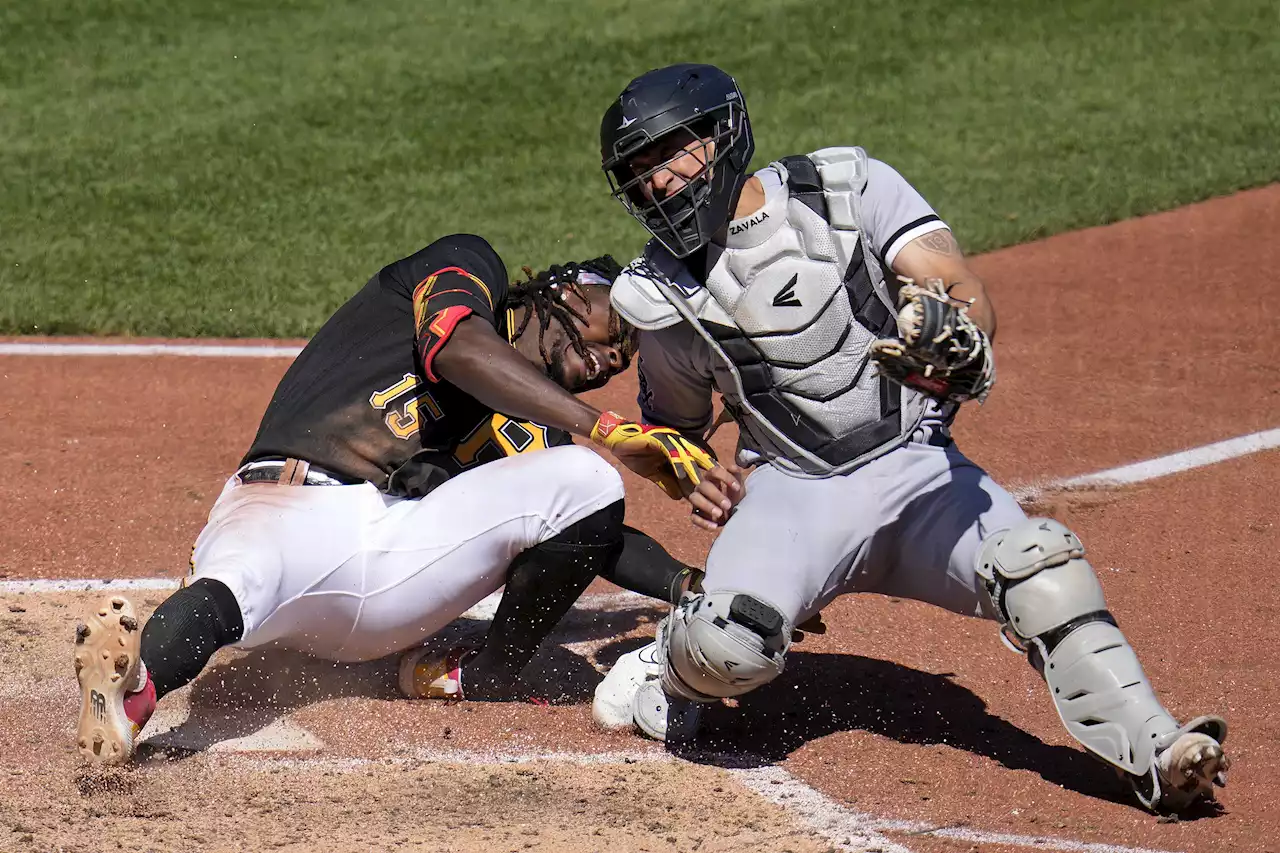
column 661, row 454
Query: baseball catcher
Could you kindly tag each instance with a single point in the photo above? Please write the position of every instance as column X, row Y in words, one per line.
column 833, row 310
column 393, row 484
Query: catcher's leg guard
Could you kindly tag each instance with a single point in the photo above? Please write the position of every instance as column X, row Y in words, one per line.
column 723, row 644
column 1049, row 601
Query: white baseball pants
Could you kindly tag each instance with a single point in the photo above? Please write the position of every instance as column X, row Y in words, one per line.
column 351, row 574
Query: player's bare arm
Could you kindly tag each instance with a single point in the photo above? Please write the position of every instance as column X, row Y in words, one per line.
column 577, row 343
column 938, row 255
column 479, row 361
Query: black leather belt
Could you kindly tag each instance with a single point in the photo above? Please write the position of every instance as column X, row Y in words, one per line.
column 291, row 472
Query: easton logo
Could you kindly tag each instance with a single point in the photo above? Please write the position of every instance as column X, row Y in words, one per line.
column 98, row 704
column 750, row 223
column 786, row 297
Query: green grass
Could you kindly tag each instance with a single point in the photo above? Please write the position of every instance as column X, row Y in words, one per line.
column 227, row 167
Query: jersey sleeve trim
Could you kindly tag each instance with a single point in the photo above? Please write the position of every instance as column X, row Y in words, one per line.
column 430, row 281
column 910, row 231
column 425, row 291
column 437, row 332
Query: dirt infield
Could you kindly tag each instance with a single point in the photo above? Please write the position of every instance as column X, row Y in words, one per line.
column 904, row 728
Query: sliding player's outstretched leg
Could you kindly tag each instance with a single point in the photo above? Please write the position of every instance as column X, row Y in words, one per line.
column 108, row 667
column 541, row 585
column 124, row 668
column 1049, row 603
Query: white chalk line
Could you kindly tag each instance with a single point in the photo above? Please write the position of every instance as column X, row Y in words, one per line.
column 474, row 758
column 1125, row 475
column 88, row 585
column 1173, row 463
column 1160, row 466
column 189, row 350
column 842, row 825
column 845, row 828
column 1136, row 472
column 483, row 610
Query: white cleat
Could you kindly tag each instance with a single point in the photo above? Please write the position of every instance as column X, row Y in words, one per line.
column 670, row 719
column 615, row 696
column 1189, row 769
column 114, row 707
column 632, row 695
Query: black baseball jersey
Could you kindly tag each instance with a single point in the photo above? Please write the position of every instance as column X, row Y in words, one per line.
column 362, row 400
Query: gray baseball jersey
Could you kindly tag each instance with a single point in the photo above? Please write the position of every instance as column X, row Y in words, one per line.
column 677, row 370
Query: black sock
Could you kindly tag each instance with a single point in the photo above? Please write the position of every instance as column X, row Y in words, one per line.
column 542, row 584
column 185, row 631
column 645, row 567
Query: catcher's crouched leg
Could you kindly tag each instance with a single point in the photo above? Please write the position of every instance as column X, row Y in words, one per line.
column 723, row 644
column 1049, row 601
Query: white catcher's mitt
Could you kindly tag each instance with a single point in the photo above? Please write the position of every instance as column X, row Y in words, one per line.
column 940, row 351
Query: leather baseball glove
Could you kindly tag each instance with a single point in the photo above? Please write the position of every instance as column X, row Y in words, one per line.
column 939, row 351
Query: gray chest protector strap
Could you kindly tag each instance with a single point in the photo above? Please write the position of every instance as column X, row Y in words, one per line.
column 793, row 436
column 869, row 295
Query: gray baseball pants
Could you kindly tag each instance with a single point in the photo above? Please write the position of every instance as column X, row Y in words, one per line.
column 909, row 524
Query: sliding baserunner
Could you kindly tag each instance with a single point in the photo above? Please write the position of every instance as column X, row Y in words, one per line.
column 393, row 484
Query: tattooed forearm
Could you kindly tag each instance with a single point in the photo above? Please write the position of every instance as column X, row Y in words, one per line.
column 940, row 242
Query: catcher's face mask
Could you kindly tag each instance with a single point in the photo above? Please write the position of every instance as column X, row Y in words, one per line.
column 675, row 147
column 676, row 186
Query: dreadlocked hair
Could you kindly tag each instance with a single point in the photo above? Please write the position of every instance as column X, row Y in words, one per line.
column 543, row 293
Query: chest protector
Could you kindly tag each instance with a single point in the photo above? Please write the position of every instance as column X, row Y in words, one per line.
column 790, row 310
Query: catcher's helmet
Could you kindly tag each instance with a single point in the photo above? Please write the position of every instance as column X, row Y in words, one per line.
column 675, row 106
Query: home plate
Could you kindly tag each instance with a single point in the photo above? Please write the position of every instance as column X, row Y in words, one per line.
column 228, row 732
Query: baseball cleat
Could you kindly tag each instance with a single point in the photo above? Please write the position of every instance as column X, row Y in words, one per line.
column 427, row 673
column 670, row 719
column 613, row 705
column 632, row 695
column 1193, row 764
column 114, row 705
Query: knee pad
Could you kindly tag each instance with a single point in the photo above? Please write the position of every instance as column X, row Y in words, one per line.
column 723, row 644
column 1039, row 583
